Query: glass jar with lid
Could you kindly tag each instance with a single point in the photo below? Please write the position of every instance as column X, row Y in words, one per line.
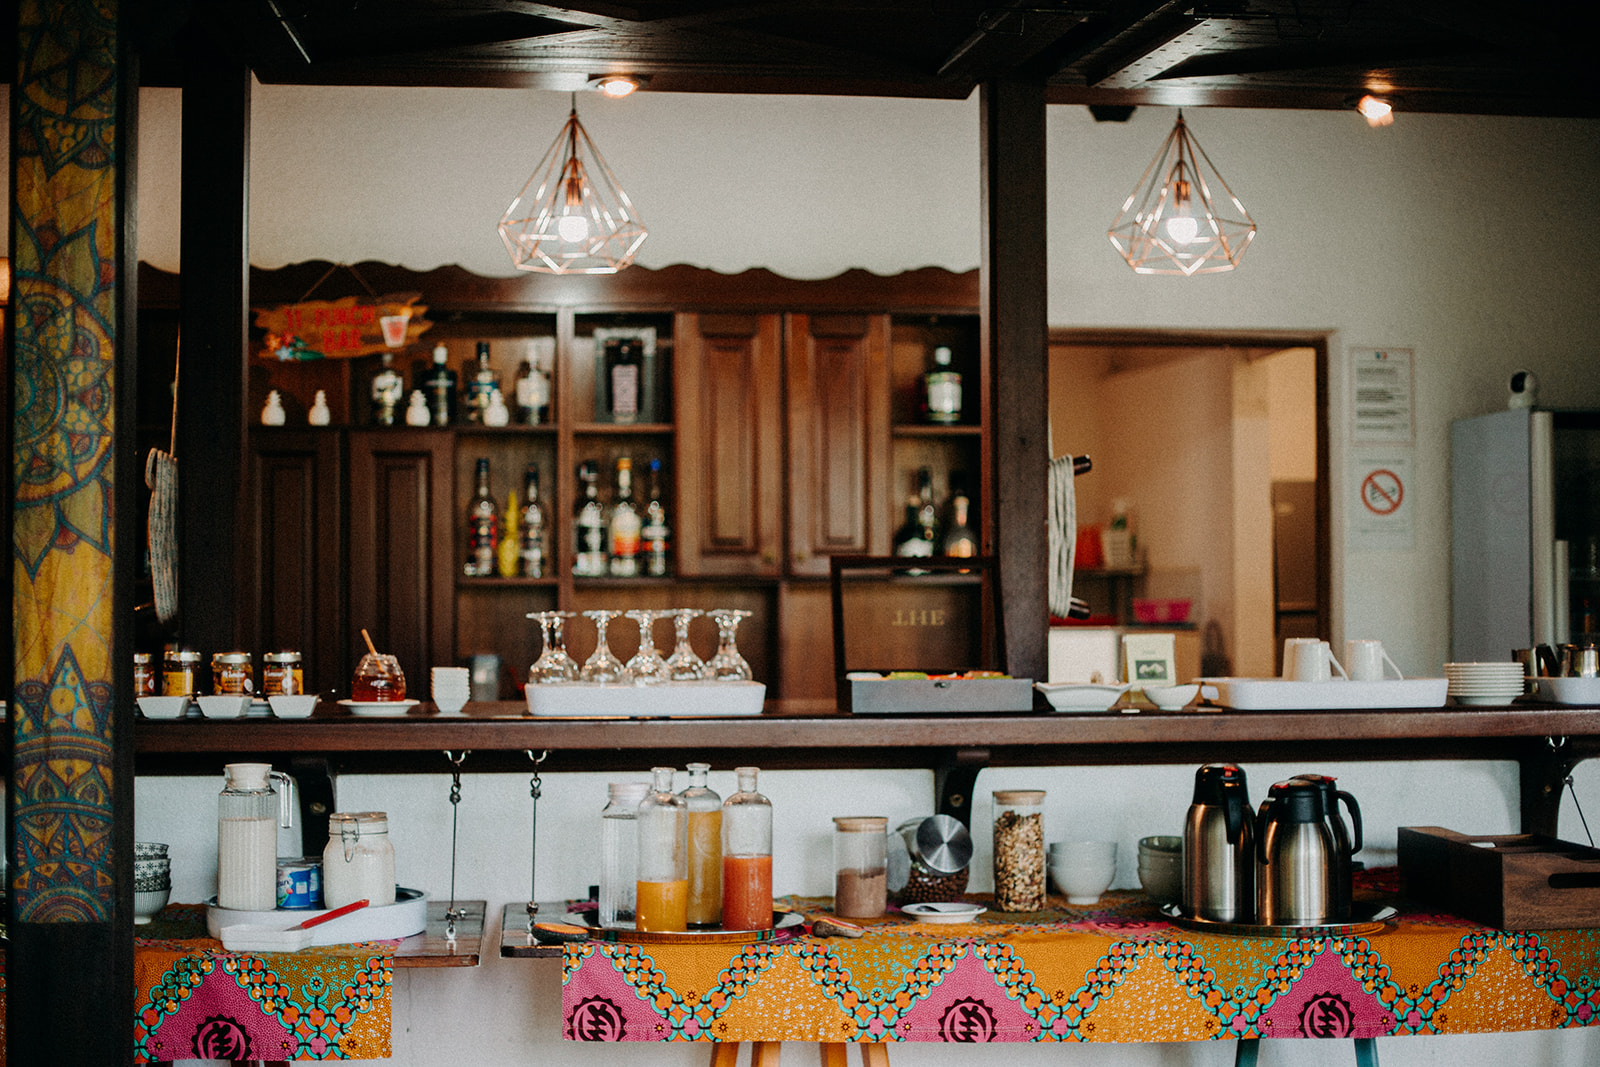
column 705, row 848
column 178, row 668
column 662, row 888
column 860, row 866
column 281, row 674
column 747, row 856
column 1019, row 853
column 144, row 675
column 619, row 852
column 232, row 674
column 358, row 862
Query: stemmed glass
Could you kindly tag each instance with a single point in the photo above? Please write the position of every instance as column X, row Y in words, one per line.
column 727, row 665
column 683, row 663
column 553, row 664
column 647, row 666
column 602, row 666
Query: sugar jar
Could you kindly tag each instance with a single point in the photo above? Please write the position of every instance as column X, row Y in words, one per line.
column 358, row 862
column 860, row 866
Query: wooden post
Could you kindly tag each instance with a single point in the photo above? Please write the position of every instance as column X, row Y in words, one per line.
column 1012, row 284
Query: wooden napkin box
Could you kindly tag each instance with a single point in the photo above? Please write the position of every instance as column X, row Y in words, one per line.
column 1510, row 882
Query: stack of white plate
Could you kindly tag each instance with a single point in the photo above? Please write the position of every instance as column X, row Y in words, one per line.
column 1484, row 683
column 451, row 687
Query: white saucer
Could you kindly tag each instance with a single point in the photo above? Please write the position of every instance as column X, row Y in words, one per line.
column 378, row 707
column 950, row 912
column 1485, row 701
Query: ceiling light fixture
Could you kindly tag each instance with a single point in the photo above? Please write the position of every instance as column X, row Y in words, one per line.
column 617, row 86
column 1170, row 224
column 1377, row 110
column 572, row 217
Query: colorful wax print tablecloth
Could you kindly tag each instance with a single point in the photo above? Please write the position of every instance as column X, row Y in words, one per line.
column 198, row 1001
column 1115, row 972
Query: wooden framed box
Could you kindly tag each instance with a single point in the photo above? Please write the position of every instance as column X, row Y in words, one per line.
column 934, row 616
column 1510, row 882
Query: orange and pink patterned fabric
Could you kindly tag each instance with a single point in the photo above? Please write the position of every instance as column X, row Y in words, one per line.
column 1115, row 972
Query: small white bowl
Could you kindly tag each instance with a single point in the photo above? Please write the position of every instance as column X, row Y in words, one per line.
column 224, row 706
column 1081, row 853
column 1171, row 697
column 163, row 707
column 146, row 905
column 1083, row 885
column 298, row 706
column 449, row 704
column 1085, row 696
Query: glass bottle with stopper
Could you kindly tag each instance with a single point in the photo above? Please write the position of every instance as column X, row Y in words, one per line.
column 747, row 856
column 705, row 848
column 662, row 887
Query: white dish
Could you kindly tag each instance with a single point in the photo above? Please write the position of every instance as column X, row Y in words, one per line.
column 1278, row 694
column 1484, row 701
column 1571, row 690
column 299, row 706
column 666, row 700
column 406, row 916
column 224, row 706
column 944, row 912
column 146, row 903
column 378, row 708
column 1171, row 697
column 1080, row 696
column 163, row 707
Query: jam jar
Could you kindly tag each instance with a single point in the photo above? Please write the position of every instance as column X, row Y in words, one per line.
column 281, row 674
column 232, row 674
column 178, row 667
column 144, row 675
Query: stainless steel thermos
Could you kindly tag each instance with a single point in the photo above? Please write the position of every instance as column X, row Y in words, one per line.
column 1219, row 861
column 1304, row 853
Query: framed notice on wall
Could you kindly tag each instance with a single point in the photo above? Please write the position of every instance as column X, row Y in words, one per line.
column 1381, row 401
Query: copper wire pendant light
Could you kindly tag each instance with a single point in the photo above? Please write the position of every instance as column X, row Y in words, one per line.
column 572, row 217
column 1170, row 223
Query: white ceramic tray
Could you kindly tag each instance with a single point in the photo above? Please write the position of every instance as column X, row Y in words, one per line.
column 666, row 700
column 406, row 916
column 1278, row 694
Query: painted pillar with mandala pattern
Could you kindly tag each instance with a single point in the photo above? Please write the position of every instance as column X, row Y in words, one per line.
column 68, row 184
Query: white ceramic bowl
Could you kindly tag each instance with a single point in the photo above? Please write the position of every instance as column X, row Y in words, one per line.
column 1570, row 690
column 1081, row 853
column 449, row 705
column 1083, row 884
column 163, row 707
column 224, row 706
column 299, row 706
column 1162, row 882
column 1171, row 697
column 146, row 905
column 1076, row 696
column 1164, row 843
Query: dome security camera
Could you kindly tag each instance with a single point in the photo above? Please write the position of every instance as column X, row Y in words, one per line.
column 1524, row 390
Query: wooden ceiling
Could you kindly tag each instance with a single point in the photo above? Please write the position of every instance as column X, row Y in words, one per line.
column 1462, row 56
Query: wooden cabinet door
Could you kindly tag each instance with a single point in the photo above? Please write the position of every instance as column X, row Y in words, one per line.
column 838, row 424
column 402, row 550
column 293, row 596
column 729, row 413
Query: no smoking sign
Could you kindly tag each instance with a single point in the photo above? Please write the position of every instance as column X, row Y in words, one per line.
column 1382, row 491
column 1383, row 519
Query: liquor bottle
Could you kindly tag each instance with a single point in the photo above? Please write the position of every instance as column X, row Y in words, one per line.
column 589, row 526
column 535, row 547
column 908, row 539
column 655, row 536
column 941, row 389
column 705, row 848
column 624, row 367
column 959, row 538
column 532, row 393
column 483, row 383
column 483, row 527
column 508, row 556
column 440, row 387
column 927, row 512
column 624, row 525
column 387, row 389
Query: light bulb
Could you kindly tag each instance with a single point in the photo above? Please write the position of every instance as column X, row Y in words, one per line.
column 1183, row 229
column 1376, row 110
column 574, row 229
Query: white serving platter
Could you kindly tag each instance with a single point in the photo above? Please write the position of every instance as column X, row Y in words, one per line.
column 378, row 708
column 1279, row 694
column 406, row 916
column 662, row 701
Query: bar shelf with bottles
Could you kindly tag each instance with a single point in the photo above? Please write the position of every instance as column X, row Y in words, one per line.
column 936, row 431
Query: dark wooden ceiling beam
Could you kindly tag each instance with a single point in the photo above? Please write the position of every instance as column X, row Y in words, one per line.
column 1006, row 39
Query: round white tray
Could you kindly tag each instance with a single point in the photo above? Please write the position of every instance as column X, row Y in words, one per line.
column 406, row 916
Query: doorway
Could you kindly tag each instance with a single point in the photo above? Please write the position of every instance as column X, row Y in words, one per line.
column 1215, row 446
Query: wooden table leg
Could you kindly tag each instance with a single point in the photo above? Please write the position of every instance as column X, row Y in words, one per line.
column 874, row 1054
column 1246, row 1053
column 766, row 1054
column 1366, row 1052
column 831, row 1053
column 724, row 1054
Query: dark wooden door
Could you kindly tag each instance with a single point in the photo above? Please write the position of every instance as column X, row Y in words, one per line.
column 294, row 595
column 729, row 407
column 402, row 550
column 837, row 372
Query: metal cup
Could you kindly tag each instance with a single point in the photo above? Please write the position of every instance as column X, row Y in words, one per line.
column 1580, row 661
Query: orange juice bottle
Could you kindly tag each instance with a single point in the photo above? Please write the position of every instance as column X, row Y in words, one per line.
column 705, row 848
column 663, row 870
column 747, row 856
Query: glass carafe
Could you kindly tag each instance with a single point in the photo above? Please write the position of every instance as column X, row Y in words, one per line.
column 705, row 848
column 249, row 813
column 727, row 665
column 619, row 852
column 746, row 856
column 662, row 888
column 553, row 665
column 684, row 664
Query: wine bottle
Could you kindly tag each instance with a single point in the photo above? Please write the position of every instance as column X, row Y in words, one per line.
column 440, row 387
column 589, row 526
column 482, row 385
column 624, row 366
column 535, row 538
column 625, row 525
column 655, row 535
column 483, row 527
column 927, row 512
column 941, row 389
column 387, row 389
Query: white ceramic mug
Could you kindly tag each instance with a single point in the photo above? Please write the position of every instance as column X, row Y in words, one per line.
column 1365, row 659
column 1291, row 645
column 1315, row 662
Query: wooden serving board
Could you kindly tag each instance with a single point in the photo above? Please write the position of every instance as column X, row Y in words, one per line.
column 1511, row 882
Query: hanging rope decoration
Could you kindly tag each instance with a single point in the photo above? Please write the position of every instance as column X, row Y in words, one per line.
column 533, row 838
column 452, row 913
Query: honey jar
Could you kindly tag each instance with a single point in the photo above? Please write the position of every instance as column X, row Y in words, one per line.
column 281, row 674
column 178, row 668
column 232, row 674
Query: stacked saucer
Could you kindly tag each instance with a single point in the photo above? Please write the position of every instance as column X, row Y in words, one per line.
column 451, row 687
column 152, row 879
column 1484, row 683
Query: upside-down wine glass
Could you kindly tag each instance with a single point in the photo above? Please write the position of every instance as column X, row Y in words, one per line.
column 553, row 664
column 683, row 663
column 602, row 666
column 647, row 666
column 727, row 665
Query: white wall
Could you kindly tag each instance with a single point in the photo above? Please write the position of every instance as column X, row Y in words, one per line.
column 1467, row 239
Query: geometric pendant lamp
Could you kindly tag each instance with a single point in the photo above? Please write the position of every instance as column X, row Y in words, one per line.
column 1182, row 218
column 572, row 217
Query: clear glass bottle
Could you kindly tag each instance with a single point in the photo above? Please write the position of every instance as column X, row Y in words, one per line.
column 747, row 856
column 619, row 852
column 248, row 815
column 483, row 527
column 705, row 848
column 589, row 526
column 387, row 389
column 1019, row 852
column 358, row 862
column 655, row 536
column 662, row 888
column 623, row 548
column 860, row 866
column 482, row 385
column 941, row 388
column 535, row 548
column 440, row 387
